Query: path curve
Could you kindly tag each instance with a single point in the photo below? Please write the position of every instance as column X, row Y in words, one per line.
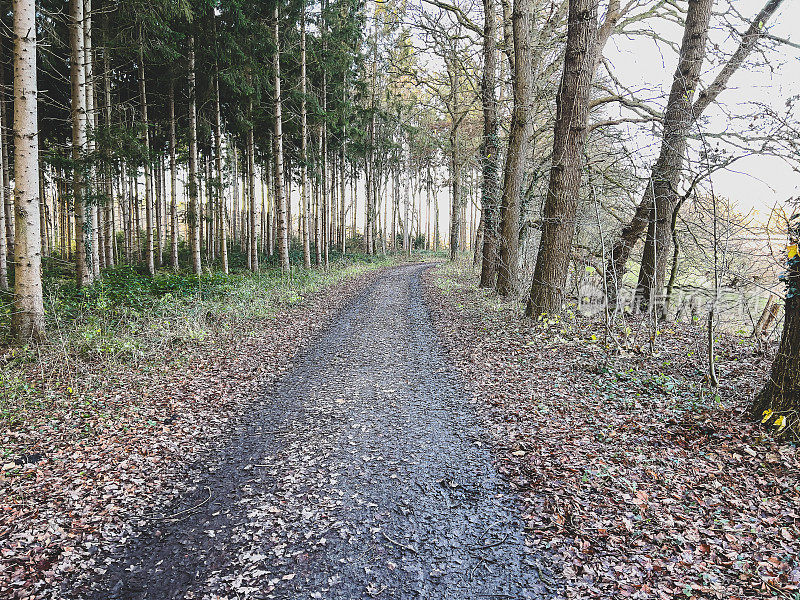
column 362, row 473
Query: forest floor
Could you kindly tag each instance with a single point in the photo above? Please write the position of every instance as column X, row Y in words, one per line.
column 357, row 469
column 639, row 483
column 138, row 380
column 393, row 433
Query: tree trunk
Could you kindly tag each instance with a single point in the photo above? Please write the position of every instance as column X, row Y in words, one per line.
column 280, row 198
column 223, row 230
column 173, row 181
column 251, row 184
column 781, row 393
column 8, row 196
column 569, row 138
column 623, row 247
column 490, row 189
column 678, row 120
column 88, row 57
column 148, row 182
column 3, row 242
column 27, row 316
column 192, row 215
column 518, row 144
column 304, row 145
column 455, row 198
column 108, row 209
column 83, row 226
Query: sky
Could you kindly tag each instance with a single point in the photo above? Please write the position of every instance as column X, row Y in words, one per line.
column 756, row 182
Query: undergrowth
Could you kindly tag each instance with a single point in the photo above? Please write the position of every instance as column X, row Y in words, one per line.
column 128, row 318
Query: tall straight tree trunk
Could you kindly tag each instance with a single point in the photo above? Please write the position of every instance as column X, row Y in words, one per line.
column 518, row 144
column 159, row 174
column 223, row 230
column 3, row 242
column 8, row 197
column 211, row 213
column 369, row 223
column 621, row 250
column 235, row 208
column 678, row 120
column 108, row 212
column 148, row 179
column 342, row 189
column 173, row 182
column 193, row 214
column 83, row 226
column 455, row 182
column 491, row 147
column 318, row 191
column 406, row 201
column 251, row 185
column 304, row 144
column 27, row 316
column 88, row 56
column 325, row 208
column 280, row 198
column 569, row 138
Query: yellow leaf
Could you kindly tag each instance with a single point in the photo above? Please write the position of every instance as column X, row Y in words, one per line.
column 791, row 251
column 594, row 338
column 766, row 414
column 780, row 423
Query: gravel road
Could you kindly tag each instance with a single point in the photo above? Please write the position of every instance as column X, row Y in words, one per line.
column 362, row 473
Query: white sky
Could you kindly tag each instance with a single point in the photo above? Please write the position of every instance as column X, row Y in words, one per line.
column 754, row 182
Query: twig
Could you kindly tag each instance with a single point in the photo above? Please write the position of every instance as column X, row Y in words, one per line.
column 190, row 509
column 396, row 543
column 500, row 543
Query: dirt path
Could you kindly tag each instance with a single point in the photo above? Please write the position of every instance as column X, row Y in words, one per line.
column 362, row 473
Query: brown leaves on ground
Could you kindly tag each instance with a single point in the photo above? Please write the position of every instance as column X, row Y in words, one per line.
column 77, row 470
column 639, row 486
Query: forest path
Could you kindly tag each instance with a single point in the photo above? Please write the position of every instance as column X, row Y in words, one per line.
column 362, row 473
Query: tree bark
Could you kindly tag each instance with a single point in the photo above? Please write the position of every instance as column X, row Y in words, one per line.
column 83, row 226
column 223, row 230
column 280, row 198
column 193, row 214
column 304, row 145
column 518, row 144
column 251, row 185
column 490, row 188
column 173, row 181
column 108, row 212
column 88, row 56
column 3, row 242
column 781, row 393
column 27, row 316
column 455, row 198
column 569, row 138
column 148, row 179
column 8, row 204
